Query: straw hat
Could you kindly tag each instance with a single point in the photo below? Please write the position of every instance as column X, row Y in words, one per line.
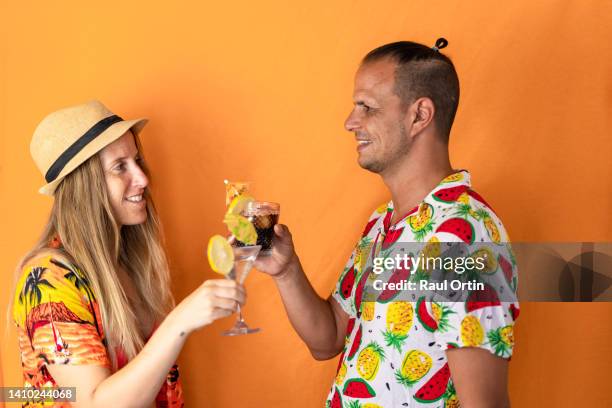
column 67, row 138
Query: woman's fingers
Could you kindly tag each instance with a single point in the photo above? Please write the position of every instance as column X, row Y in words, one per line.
column 213, row 300
column 220, row 313
column 223, row 283
column 224, row 303
column 235, row 293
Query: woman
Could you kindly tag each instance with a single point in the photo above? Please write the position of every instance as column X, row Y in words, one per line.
column 92, row 298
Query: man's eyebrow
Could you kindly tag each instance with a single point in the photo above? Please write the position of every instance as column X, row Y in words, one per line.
column 361, row 102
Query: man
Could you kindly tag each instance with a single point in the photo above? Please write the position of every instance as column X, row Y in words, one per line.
column 404, row 353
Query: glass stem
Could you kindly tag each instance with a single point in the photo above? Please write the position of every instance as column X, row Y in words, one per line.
column 240, row 319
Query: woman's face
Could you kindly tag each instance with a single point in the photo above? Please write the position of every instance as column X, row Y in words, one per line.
column 125, row 180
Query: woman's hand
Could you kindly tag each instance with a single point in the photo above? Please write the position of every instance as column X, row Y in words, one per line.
column 214, row 299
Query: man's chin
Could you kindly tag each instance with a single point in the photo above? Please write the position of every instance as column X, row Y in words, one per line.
column 370, row 165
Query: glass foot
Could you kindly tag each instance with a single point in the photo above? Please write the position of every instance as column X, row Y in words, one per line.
column 239, row 329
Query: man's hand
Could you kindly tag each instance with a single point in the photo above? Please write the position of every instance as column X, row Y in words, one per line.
column 283, row 254
column 321, row 324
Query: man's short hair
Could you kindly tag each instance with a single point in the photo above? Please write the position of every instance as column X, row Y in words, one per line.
column 423, row 72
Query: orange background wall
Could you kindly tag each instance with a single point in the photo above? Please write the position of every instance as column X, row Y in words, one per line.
column 259, row 91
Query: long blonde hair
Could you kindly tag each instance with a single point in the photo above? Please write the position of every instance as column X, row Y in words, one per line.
column 83, row 219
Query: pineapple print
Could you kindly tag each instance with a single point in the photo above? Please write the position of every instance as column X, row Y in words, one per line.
column 392, row 361
column 432, row 249
column 464, row 208
column 399, row 321
column 452, row 178
column 507, row 335
column 450, row 397
column 361, row 255
column 490, row 260
column 382, row 208
column 415, row 366
column 357, row 404
column 472, row 334
column 502, row 340
column 492, row 229
column 486, row 218
column 452, row 402
column 341, row 374
column 421, row 222
column 436, row 310
column 369, row 360
column 440, row 314
column 367, row 312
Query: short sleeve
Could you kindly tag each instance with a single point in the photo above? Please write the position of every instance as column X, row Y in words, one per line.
column 343, row 292
column 486, row 318
column 490, row 327
column 57, row 315
column 350, row 286
column 171, row 393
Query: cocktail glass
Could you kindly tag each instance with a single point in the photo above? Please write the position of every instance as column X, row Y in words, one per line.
column 264, row 216
column 243, row 263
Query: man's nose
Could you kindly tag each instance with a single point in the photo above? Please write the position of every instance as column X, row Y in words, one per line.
column 352, row 122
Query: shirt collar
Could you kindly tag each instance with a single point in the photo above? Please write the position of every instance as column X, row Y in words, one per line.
column 455, row 179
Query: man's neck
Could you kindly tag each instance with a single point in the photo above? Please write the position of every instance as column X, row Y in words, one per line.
column 414, row 178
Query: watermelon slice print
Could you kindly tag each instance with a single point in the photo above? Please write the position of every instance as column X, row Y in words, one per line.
column 349, row 326
column 392, row 237
column 460, row 228
column 369, row 227
column 356, row 343
column 358, row 388
column 340, row 361
column 346, row 286
column 435, row 388
column 387, row 220
column 452, row 345
column 424, row 317
column 450, row 195
column 506, row 267
column 477, row 197
column 397, row 276
column 514, row 311
column 478, row 299
column 336, row 401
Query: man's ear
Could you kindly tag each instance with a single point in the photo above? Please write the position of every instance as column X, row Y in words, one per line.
column 421, row 113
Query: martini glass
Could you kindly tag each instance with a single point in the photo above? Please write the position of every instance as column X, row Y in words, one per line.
column 243, row 263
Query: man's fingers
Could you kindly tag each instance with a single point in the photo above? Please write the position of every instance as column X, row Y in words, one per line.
column 283, row 235
column 281, row 231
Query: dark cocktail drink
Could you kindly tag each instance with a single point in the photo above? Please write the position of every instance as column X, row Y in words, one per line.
column 264, row 216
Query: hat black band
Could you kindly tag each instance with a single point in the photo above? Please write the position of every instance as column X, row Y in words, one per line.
column 59, row 164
